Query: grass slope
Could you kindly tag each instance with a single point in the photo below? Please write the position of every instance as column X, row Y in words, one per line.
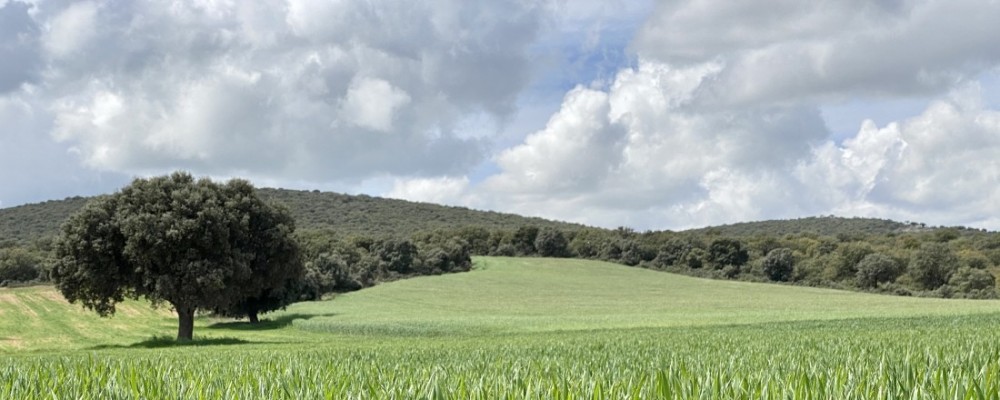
column 519, row 328
column 529, row 295
column 500, row 296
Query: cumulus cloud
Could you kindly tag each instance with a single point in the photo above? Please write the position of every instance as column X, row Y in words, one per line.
column 320, row 91
column 720, row 120
column 712, row 115
column 938, row 166
column 639, row 154
column 790, row 49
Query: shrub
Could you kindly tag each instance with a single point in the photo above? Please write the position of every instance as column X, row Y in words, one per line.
column 723, row 252
column 973, row 283
column 551, row 242
column 19, row 265
column 877, row 268
column 932, row 265
column 779, row 264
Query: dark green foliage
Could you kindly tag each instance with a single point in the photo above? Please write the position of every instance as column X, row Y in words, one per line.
column 779, row 264
column 877, row 268
column 265, row 235
column 551, row 243
column 848, row 256
column 695, row 258
column 23, row 224
column 587, row 243
column 451, row 256
column 191, row 243
column 339, row 265
column 524, row 240
column 932, row 265
column 18, row 265
column 725, row 252
column 763, row 246
column 973, row 283
column 825, row 226
column 673, row 252
column 395, row 255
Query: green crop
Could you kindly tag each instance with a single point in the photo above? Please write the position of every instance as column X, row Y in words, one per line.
column 575, row 346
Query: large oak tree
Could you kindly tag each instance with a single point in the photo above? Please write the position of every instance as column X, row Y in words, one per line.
column 194, row 244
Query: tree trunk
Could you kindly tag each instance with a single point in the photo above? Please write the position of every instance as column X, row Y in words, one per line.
column 253, row 317
column 185, row 327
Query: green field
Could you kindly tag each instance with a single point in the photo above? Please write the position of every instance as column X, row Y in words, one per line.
column 518, row 328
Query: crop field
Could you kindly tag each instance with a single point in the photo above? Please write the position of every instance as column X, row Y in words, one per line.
column 518, row 328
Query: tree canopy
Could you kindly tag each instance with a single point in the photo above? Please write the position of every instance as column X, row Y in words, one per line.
column 194, row 244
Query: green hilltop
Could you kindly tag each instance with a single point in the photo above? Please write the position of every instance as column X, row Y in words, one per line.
column 313, row 210
column 375, row 216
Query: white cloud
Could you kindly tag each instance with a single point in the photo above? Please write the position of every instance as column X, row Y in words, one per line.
column 711, row 116
column 272, row 90
column 790, row 50
column 442, row 190
column 577, row 149
column 372, row 103
column 941, row 166
column 71, row 30
column 640, row 154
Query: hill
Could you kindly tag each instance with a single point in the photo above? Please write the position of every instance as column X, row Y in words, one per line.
column 826, row 226
column 342, row 213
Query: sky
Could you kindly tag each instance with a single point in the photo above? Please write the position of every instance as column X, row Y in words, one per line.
column 647, row 114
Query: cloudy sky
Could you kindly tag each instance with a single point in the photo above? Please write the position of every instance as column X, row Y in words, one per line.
column 654, row 115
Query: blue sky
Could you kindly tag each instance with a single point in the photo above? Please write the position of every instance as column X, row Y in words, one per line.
column 654, row 115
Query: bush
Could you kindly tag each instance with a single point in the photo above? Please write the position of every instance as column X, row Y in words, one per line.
column 723, row 252
column 779, row 264
column 551, row 243
column 694, row 259
column 932, row 265
column 973, row 283
column 877, row 268
column 672, row 253
column 19, row 265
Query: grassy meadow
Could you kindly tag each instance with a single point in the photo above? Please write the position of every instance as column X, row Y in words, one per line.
column 518, row 328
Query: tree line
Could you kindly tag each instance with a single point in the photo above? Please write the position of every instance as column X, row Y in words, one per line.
column 202, row 246
column 944, row 262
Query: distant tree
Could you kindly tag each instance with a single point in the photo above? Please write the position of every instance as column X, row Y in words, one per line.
column 451, row 256
column 19, row 265
column 877, row 268
column 932, row 265
column 551, row 242
column 848, row 256
column 524, row 240
column 587, row 243
column 973, row 283
column 396, row 255
column 672, row 252
column 725, row 251
column 764, row 245
column 779, row 264
column 171, row 239
column 695, row 258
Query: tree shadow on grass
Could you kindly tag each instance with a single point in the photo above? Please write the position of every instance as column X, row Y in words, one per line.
column 266, row 323
column 159, row 342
